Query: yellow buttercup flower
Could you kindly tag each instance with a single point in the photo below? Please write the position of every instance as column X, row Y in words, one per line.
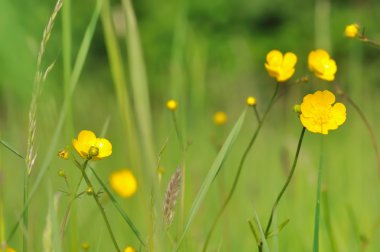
column 352, row 31
column 129, row 249
column 281, row 66
column 220, row 118
column 251, row 101
column 123, row 182
column 91, row 147
column 322, row 65
column 171, row 105
column 319, row 114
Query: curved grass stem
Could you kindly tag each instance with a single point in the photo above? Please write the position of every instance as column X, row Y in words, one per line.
column 241, row 164
column 267, row 229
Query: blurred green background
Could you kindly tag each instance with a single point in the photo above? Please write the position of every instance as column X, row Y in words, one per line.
column 209, row 55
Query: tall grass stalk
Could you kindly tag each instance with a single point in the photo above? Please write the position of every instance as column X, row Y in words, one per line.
column 117, row 67
column 183, row 167
column 78, row 66
column 240, row 167
column 211, row 175
column 318, row 201
column 140, row 87
column 31, row 152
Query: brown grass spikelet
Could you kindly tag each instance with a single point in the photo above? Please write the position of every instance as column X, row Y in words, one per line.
column 171, row 196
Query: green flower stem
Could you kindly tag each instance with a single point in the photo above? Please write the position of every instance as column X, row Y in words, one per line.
column 369, row 41
column 241, row 164
column 257, row 114
column 318, row 202
column 89, row 184
column 366, row 123
column 267, row 229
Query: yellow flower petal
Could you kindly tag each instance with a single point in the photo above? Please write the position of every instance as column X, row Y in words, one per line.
column 322, row 65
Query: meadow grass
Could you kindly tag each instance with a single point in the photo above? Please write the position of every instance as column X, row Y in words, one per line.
column 201, row 186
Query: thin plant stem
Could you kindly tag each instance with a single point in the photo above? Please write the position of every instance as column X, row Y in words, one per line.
column 89, row 184
column 6, row 145
column 366, row 123
column 257, row 114
column 183, row 167
column 25, row 220
column 326, row 212
column 267, row 229
column 241, row 164
column 318, row 202
column 369, row 41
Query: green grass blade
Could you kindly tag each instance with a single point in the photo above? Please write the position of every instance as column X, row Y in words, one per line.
column 79, row 63
column 6, row 145
column 117, row 67
column 139, row 83
column 217, row 164
column 120, row 209
column 262, row 235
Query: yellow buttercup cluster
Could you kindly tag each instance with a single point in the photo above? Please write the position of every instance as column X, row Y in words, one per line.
column 220, row 118
column 281, row 66
column 90, row 147
column 123, row 182
column 322, row 65
column 319, row 114
column 352, row 31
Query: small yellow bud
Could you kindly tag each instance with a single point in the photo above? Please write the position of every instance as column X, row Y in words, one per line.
column 129, row 249
column 62, row 173
column 89, row 191
column 297, row 108
column 220, row 118
column 171, row 105
column 85, row 246
column 93, row 152
column 160, row 170
column 63, row 154
column 251, row 101
column 352, row 31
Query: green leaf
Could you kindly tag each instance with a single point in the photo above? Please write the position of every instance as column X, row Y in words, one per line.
column 217, row 164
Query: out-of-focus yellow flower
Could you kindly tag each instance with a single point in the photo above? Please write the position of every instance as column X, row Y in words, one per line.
column 319, row 114
column 322, row 65
column 63, row 154
column 85, row 246
column 171, row 105
column 123, row 182
column 220, row 118
column 352, row 31
column 8, row 250
column 91, row 147
column 129, row 249
column 281, row 66
column 251, row 101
